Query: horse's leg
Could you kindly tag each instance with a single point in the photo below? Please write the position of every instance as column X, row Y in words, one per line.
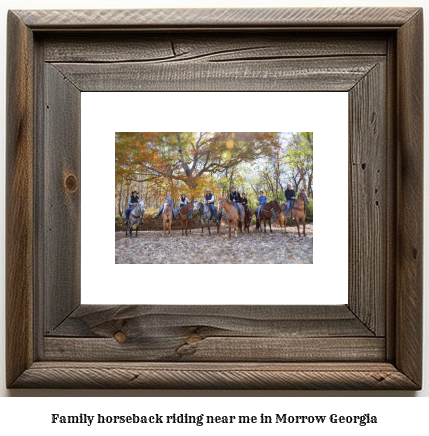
column 235, row 227
column 269, row 222
column 202, row 228
column 297, row 224
column 137, row 227
column 169, row 222
column 265, row 225
column 208, row 226
column 303, row 223
column 164, row 223
column 229, row 223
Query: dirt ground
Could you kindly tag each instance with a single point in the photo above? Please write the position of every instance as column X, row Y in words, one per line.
column 254, row 247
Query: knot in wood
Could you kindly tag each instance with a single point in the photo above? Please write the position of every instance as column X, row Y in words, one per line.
column 71, row 183
column 120, row 337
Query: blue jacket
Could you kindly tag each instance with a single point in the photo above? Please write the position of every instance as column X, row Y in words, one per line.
column 170, row 200
column 262, row 199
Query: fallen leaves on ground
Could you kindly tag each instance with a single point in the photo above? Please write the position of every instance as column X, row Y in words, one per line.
column 255, row 247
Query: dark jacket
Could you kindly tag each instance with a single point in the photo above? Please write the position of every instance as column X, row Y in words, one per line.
column 289, row 193
column 244, row 201
column 235, row 196
column 210, row 198
column 132, row 199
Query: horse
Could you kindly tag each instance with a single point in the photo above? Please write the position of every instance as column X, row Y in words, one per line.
column 185, row 215
column 247, row 218
column 298, row 209
column 167, row 217
column 136, row 217
column 205, row 215
column 266, row 215
column 233, row 214
column 282, row 218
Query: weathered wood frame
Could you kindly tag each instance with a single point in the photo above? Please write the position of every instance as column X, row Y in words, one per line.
column 374, row 342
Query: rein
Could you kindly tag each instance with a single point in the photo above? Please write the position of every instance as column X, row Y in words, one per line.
column 226, row 215
column 184, row 214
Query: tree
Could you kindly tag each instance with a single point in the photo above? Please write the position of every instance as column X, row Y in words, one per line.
column 187, row 160
column 299, row 156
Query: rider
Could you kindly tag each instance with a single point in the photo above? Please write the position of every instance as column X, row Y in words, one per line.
column 170, row 201
column 183, row 202
column 262, row 201
column 243, row 199
column 235, row 198
column 290, row 196
column 133, row 200
column 210, row 200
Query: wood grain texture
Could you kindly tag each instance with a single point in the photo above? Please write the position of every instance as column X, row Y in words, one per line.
column 190, row 347
column 409, row 273
column 367, row 199
column 19, row 200
column 200, row 47
column 99, row 321
column 215, row 376
column 193, row 348
column 61, row 187
column 325, row 74
column 194, row 18
column 213, row 333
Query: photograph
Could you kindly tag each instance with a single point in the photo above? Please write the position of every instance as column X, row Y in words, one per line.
column 214, row 197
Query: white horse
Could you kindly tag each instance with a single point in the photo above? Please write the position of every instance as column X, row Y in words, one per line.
column 136, row 217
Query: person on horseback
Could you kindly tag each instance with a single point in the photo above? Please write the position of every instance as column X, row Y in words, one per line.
column 133, row 199
column 262, row 201
column 290, row 197
column 235, row 198
column 243, row 199
column 170, row 201
column 183, row 202
column 209, row 200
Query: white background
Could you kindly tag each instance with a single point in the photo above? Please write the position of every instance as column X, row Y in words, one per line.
column 400, row 414
column 323, row 113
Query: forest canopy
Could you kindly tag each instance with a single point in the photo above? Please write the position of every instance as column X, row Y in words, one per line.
column 190, row 162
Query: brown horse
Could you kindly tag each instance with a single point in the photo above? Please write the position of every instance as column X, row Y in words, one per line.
column 282, row 218
column 266, row 215
column 184, row 211
column 167, row 217
column 298, row 209
column 247, row 218
column 231, row 214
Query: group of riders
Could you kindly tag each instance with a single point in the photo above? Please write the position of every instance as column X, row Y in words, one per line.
column 209, row 199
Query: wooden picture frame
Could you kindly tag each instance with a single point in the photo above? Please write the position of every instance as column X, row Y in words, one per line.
column 373, row 342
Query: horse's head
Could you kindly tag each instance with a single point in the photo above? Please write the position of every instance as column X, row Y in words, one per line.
column 276, row 206
column 166, row 205
column 197, row 205
column 141, row 205
column 221, row 203
column 304, row 197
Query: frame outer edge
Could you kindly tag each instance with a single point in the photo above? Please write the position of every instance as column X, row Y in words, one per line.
column 216, row 17
column 409, row 317
column 19, row 198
